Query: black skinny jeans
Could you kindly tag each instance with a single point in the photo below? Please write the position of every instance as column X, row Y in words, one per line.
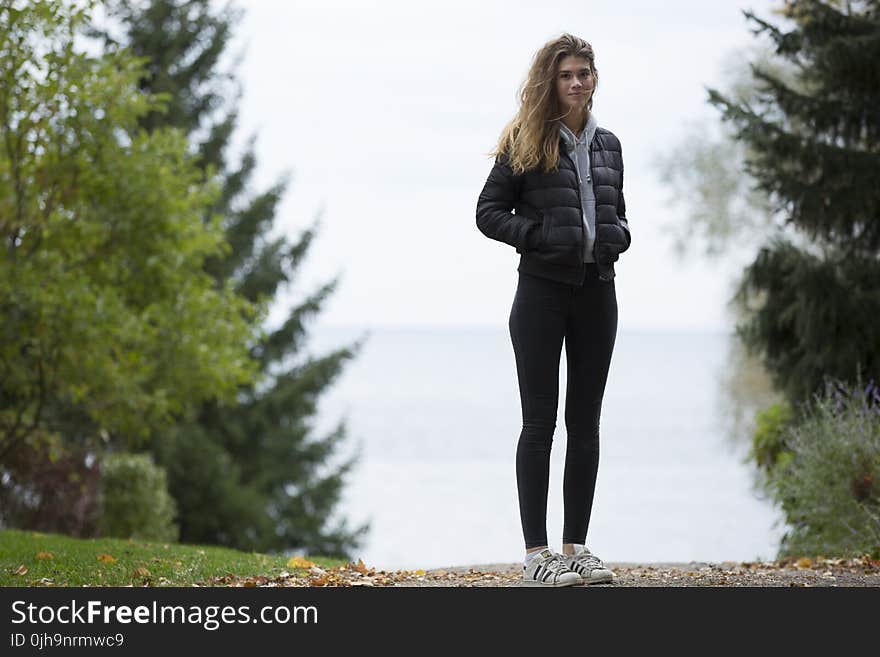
column 544, row 313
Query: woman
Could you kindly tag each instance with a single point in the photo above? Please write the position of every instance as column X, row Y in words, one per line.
column 555, row 193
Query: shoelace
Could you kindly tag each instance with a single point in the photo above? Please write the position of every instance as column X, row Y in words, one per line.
column 556, row 565
column 589, row 560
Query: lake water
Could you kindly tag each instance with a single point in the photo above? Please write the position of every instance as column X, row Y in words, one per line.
column 437, row 417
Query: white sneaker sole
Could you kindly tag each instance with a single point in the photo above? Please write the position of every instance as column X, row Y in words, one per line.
column 530, row 582
column 600, row 579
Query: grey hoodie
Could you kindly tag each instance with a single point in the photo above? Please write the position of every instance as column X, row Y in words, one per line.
column 579, row 152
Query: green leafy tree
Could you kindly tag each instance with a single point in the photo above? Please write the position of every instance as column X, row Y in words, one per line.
column 249, row 476
column 107, row 313
column 812, row 297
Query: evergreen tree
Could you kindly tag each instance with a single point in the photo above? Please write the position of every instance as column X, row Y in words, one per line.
column 814, row 149
column 248, row 476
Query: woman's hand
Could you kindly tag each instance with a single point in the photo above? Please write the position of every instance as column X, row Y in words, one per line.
column 605, row 253
column 610, row 243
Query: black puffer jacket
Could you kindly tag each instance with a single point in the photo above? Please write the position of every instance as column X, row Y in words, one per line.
column 540, row 213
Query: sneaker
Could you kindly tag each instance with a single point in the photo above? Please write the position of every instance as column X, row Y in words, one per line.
column 548, row 569
column 588, row 566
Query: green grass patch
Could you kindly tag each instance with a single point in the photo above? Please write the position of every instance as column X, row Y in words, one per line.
column 56, row 560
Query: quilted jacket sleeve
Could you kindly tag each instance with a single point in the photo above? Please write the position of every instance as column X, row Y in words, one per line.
column 621, row 210
column 494, row 216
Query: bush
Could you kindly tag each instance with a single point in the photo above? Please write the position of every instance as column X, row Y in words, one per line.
column 136, row 502
column 828, row 485
column 768, row 448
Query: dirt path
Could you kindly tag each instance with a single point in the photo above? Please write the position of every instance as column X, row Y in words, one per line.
column 788, row 572
column 676, row 575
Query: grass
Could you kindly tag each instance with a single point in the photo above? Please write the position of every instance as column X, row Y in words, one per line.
column 56, row 560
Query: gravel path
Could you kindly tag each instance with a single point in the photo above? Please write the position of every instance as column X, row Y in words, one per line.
column 803, row 571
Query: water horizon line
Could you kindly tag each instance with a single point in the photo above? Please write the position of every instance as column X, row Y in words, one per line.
column 494, row 328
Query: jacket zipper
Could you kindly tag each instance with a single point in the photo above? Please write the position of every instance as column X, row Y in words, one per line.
column 583, row 244
column 581, row 205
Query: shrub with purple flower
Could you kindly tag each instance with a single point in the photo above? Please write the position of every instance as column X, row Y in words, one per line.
column 825, row 471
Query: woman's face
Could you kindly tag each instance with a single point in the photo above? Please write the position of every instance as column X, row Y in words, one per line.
column 574, row 83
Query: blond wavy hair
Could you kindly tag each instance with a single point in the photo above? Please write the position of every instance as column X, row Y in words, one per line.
column 531, row 139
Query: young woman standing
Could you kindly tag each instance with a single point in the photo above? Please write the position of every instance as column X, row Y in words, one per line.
column 555, row 193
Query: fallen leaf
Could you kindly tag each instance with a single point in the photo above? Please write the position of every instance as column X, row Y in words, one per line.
column 141, row 572
column 804, row 562
column 299, row 562
column 45, row 555
column 21, row 570
column 106, row 558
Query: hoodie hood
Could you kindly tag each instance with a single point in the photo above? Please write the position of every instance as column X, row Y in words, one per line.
column 571, row 139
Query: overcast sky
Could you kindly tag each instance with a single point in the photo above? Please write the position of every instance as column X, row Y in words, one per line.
column 383, row 112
